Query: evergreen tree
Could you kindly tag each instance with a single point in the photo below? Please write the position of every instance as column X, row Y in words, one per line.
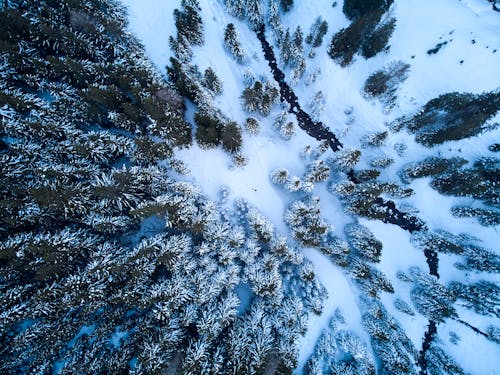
column 366, row 34
column 274, row 15
column 317, row 104
column 303, row 218
column 346, row 159
column 440, row 363
column 236, row 8
column 212, row 82
column 286, row 5
column 232, row 43
column 318, row 30
column 252, row 125
column 260, row 98
column 208, row 130
column 231, row 137
column 366, row 246
column 254, row 13
column 482, row 297
column 188, row 21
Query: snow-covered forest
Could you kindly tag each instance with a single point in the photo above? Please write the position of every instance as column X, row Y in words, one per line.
column 249, row 187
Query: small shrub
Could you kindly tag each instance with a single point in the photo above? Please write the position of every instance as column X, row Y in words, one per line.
column 252, row 125
column 403, row 306
column 286, row 5
column 240, row 160
column 375, row 139
column 436, row 49
column 381, row 162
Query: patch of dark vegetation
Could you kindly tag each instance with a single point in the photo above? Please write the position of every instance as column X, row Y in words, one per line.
column 429, row 167
column 480, row 182
column 355, row 9
column 211, row 132
column 451, row 117
column 260, row 97
column 368, row 33
column 494, row 147
column 436, row 48
column 384, row 83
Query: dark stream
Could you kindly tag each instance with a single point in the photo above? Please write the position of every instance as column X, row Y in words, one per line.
column 316, row 130
column 320, row 132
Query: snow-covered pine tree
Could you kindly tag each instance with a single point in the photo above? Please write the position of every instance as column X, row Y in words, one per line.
column 318, row 30
column 346, row 159
column 365, row 244
column 236, row 8
column 482, row 297
column 432, row 299
column 252, row 125
column 254, row 13
column 280, row 176
column 212, row 82
column 188, row 21
column 317, row 105
column 303, row 218
column 232, row 43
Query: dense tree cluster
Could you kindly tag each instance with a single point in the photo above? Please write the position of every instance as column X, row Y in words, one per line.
column 429, row 167
column 260, row 97
column 475, row 257
column 441, row 363
column 250, row 10
column 211, row 132
column 73, row 135
column 354, row 9
column 368, row 33
column 390, row 343
column 107, row 264
column 188, row 22
column 483, row 297
column 339, row 351
column 451, row 117
column 364, row 198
